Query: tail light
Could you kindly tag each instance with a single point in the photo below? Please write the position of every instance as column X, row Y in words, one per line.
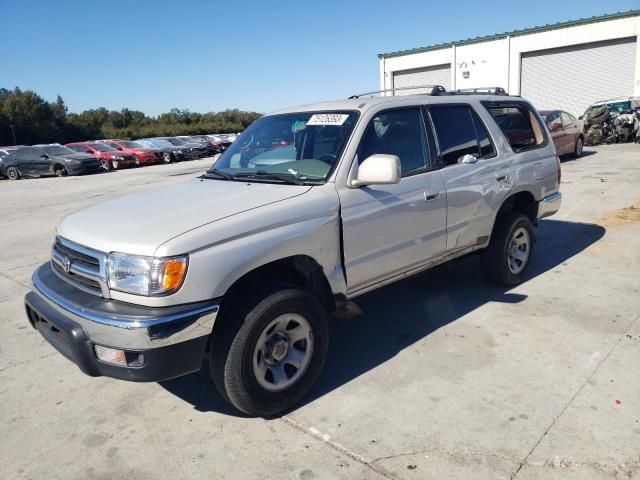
column 559, row 170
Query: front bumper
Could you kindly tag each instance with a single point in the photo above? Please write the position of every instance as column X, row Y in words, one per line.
column 165, row 342
column 549, row 205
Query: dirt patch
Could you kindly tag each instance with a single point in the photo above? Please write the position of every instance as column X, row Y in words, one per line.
column 621, row 217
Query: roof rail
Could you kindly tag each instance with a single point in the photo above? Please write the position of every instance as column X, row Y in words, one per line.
column 479, row 91
column 435, row 90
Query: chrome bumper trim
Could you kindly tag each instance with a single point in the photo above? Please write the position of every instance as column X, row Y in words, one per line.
column 117, row 331
column 549, row 205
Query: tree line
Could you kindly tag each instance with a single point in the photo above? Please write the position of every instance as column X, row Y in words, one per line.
column 29, row 119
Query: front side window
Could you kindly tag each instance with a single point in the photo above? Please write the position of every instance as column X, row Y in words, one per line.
column 459, row 132
column 102, row 147
column 397, row 132
column 518, row 123
column 58, row 150
column 304, row 146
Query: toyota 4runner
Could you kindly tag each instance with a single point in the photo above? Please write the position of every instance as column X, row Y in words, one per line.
column 308, row 209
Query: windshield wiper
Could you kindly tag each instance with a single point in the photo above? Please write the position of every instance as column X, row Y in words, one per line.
column 215, row 173
column 283, row 177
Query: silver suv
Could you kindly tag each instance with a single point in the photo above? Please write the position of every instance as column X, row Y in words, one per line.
column 309, row 208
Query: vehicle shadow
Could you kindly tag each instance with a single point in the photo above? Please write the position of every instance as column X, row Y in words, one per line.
column 573, row 158
column 398, row 315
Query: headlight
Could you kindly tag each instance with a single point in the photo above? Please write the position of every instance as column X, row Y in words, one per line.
column 147, row 276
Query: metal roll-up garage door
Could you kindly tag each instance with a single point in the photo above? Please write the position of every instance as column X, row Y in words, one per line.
column 436, row 75
column 572, row 78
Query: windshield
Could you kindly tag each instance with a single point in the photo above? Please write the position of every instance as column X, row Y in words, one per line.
column 619, row 107
column 101, row 147
column 305, row 145
column 58, row 150
column 158, row 143
column 131, row 145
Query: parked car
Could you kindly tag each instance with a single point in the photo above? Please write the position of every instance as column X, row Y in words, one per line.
column 191, row 150
column 109, row 157
column 221, row 142
column 144, row 156
column 566, row 131
column 43, row 160
column 242, row 266
column 170, row 152
column 203, row 141
column 4, row 151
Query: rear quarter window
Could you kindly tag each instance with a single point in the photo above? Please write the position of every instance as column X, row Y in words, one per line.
column 519, row 124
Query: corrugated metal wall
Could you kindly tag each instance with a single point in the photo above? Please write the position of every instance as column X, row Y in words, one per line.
column 572, row 78
column 436, row 75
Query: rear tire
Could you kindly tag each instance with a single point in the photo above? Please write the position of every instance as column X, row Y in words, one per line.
column 13, row 173
column 507, row 258
column 266, row 355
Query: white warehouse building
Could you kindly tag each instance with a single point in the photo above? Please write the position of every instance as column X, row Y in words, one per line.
column 564, row 66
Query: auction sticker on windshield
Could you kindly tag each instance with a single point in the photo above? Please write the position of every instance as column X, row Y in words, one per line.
column 327, row 119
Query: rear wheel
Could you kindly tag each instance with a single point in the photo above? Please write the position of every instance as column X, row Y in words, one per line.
column 266, row 356
column 13, row 173
column 507, row 258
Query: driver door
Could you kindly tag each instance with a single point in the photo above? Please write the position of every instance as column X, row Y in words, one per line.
column 391, row 229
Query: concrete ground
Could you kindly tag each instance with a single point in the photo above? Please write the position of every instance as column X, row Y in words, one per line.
column 442, row 377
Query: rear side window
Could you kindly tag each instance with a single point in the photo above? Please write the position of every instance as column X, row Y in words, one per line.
column 519, row 124
column 567, row 119
column 460, row 132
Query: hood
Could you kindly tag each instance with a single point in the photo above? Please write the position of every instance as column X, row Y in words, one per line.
column 140, row 223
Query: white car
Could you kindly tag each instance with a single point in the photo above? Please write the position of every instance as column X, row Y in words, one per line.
column 310, row 208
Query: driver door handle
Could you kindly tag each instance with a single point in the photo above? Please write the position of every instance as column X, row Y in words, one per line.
column 430, row 196
column 501, row 177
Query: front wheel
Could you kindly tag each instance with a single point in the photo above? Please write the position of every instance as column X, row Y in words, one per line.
column 115, row 164
column 13, row 173
column 267, row 356
column 577, row 151
column 166, row 157
column 507, row 258
column 60, row 172
column 106, row 165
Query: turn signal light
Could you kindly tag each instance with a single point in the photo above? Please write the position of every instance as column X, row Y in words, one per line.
column 174, row 270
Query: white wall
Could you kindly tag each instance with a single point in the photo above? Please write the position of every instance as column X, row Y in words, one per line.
column 496, row 63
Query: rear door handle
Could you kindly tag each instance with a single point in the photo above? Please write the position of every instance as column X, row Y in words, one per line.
column 431, row 196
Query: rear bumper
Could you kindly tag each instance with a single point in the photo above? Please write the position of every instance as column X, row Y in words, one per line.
column 159, row 343
column 549, row 205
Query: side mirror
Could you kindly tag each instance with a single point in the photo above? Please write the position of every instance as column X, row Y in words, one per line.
column 580, row 117
column 556, row 126
column 378, row 169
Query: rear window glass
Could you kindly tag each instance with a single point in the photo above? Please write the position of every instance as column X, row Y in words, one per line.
column 518, row 123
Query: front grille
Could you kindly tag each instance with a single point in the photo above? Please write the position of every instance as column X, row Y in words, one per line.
column 80, row 266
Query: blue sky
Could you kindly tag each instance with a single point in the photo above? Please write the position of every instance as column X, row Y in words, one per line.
column 253, row 55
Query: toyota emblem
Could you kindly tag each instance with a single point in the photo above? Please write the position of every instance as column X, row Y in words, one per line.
column 66, row 264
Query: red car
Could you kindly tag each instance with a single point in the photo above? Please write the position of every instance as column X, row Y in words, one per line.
column 566, row 131
column 109, row 157
column 144, row 155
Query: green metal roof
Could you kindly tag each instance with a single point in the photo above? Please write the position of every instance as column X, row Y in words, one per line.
column 514, row 33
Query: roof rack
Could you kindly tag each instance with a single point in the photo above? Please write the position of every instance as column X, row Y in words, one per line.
column 479, row 91
column 435, row 90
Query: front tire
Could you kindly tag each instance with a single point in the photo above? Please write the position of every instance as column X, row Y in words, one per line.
column 106, row 165
column 13, row 173
column 507, row 258
column 166, row 157
column 115, row 164
column 266, row 356
column 577, row 151
column 60, row 171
